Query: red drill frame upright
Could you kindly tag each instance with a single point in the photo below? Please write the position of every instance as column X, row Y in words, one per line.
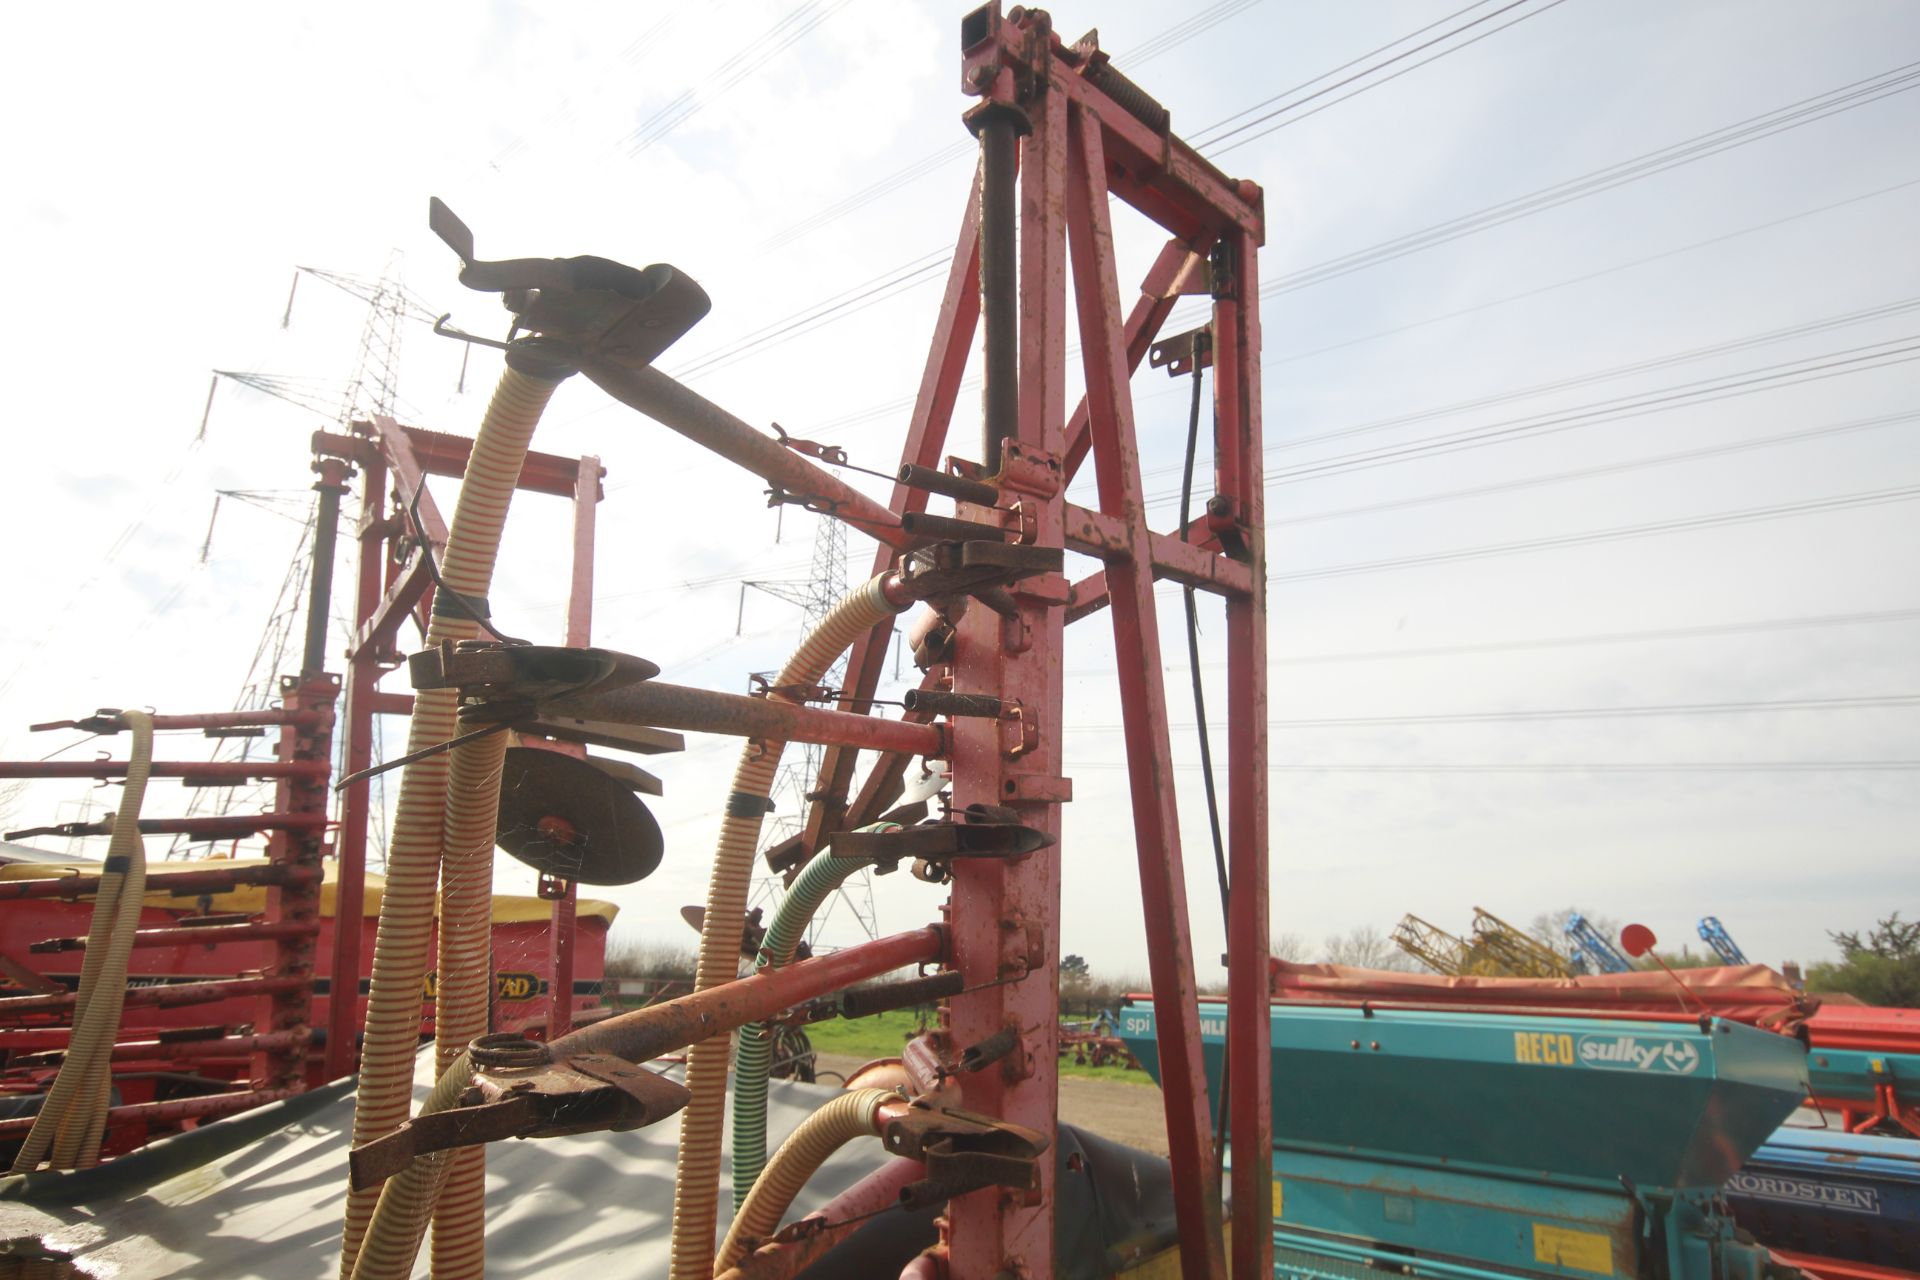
column 393, row 583
column 1084, row 134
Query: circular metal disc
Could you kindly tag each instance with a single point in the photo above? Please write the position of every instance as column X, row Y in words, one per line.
column 562, row 816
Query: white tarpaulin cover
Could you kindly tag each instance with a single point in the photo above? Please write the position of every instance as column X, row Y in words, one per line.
column 263, row 1199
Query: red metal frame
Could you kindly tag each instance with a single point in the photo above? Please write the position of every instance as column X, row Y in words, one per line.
column 276, row 1058
column 392, row 584
column 1080, row 147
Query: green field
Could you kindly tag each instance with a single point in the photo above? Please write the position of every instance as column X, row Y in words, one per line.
column 882, row 1035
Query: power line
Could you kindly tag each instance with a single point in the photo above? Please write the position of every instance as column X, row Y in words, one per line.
column 1653, row 636
column 1163, row 42
column 1767, row 124
column 1612, row 468
column 746, row 60
column 858, row 298
column 1598, row 767
column 1718, row 519
column 1351, row 62
column 1864, row 702
column 1270, row 361
column 1864, row 359
column 893, row 182
column 1630, row 405
column 875, row 412
column 1613, row 373
column 1212, row 149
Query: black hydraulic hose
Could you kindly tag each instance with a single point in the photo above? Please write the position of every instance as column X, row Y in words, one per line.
column 1206, row 748
column 1193, row 659
column 999, row 282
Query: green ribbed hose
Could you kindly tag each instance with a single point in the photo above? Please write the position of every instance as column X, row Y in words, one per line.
column 753, row 1052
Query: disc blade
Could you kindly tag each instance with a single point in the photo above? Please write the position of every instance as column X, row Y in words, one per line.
column 562, row 816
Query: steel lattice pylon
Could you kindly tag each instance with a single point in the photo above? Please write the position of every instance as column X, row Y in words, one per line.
column 816, row 594
column 373, row 390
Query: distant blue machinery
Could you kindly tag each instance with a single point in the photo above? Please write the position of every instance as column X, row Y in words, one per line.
column 1715, row 935
column 1595, row 950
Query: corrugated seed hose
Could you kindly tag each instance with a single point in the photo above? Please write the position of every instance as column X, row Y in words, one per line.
column 753, row 1052
column 406, row 1200
column 461, row 998
column 696, row 1188
column 849, row 1116
column 73, row 1115
column 427, row 810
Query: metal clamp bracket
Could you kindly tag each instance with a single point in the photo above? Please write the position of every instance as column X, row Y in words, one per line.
column 967, row 568
column 583, row 1095
column 485, row 671
column 973, row 837
column 964, row 1151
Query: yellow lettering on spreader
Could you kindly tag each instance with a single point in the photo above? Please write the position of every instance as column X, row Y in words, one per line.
column 1580, row 1250
column 1543, row 1048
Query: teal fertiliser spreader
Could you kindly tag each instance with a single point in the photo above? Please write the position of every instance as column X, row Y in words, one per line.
column 1434, row 1143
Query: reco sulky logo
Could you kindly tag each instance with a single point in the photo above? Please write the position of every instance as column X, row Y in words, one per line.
column 1637, row 1053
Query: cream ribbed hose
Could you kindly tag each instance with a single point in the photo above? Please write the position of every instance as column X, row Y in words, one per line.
column 849, row 1116
column 402, row 948
column 407, row 1198
column 696, row 1188
column 73, row 1115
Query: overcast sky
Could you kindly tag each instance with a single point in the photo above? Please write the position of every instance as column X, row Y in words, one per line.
column 170, row 168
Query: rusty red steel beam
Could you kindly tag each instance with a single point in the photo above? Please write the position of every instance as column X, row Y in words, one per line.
column 1006, row 916
column 181, row 884
column 1159, row 291
column 1190, row 564
column 1161, row 175
column 679, row 407
column 1154, row 171
column 213, row 1104
column 441, row 454
column 362, row 699
column 927, row 428
column 395, row 444
column 657, row 704
column 205, row 771
column 563, row 918
column 674, row 1024
column 169, row 996
column 381, row 628
column 1143, row 706
column 1249, row 1036
column 198, row 935
column 391, row 704
column 828, row 1225
column 230, row 1047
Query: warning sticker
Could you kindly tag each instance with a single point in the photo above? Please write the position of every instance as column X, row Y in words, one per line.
column 1580, row 1250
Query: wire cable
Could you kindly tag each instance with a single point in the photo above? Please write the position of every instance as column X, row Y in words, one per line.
column 1611, row 468
column 1862, row 702
column 1211, row 147
column 1847, row 97
column 1712, row 520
